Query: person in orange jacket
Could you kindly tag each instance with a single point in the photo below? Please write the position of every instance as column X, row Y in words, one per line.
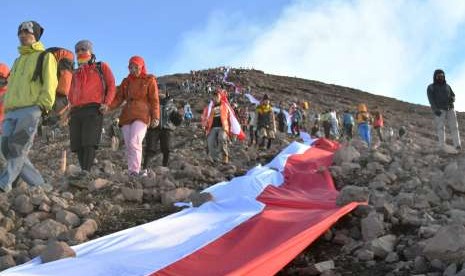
column 4, row 73
column 92, row 91
column 139, row 91
column 215, row 120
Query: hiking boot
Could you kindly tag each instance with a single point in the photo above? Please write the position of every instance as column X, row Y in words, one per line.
column 144, row 173
column 133, row 174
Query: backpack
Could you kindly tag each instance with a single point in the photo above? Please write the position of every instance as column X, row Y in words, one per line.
column 65, row 60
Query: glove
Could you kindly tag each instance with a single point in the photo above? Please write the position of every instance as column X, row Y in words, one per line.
column 154, row 123
column 437, row 113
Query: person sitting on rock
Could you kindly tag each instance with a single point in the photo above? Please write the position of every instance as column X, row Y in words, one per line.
column 363, row 120
column 216, row 122
column 139, row 93
column 442, row 98
column 266, row 124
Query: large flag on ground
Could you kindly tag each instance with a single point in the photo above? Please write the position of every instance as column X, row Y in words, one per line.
column 256, row 224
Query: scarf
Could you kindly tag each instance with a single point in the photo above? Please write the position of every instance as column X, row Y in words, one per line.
column 36, row 47
column 83, row 58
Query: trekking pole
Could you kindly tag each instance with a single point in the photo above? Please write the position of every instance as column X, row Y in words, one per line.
column 63, row 162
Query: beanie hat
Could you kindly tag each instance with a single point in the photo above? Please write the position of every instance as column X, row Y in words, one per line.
column 84, row 44
column 31, row 27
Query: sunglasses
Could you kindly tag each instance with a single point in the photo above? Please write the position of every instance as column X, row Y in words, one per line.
column 81, row 50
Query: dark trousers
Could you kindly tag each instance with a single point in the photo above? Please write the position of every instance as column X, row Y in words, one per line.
column 151, row 145
column 85, row 131
column 327, row 129
column 348, row 130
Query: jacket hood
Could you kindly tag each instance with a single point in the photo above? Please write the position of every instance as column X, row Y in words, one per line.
column 437, row 72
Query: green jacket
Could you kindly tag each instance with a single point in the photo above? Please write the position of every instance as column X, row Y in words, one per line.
column 22, row 91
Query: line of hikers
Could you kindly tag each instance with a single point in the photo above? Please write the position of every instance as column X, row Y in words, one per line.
column 43, row 81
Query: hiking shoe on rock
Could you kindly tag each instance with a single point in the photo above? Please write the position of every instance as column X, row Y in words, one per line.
column 144, row 173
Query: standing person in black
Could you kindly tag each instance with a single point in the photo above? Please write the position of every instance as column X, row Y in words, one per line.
column 442, row 98
column 170, row 117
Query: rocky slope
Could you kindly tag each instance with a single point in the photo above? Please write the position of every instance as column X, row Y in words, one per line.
column 413, row 223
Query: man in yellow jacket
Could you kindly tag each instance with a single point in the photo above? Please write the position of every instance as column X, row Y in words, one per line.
column 24, row 102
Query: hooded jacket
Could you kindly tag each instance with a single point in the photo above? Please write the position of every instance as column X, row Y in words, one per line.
column 22, row 91
column 140, row 95
column 440, row 95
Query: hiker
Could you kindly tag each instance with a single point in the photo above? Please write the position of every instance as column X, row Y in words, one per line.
column 216, row 122
column 378, row 124
column 348, row 122
column 363, row 120
column 92, row 91
column 326, row 122
column 266, row 124
column 402, row 132
column 296, row 118
column 252, row 117
column 4, row 73
column 139, row 93
column 188, row 116
column 24, row 103
column 442, row 98
column 170, row 117
column 333, row 120
column 282, row 121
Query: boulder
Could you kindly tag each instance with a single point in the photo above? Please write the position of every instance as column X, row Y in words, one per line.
column 98, row 184
column 83, row 232
column 179, row 194
column 346, row 154
column 447, row 245
column 6, row 239
column 67, row 218
column 130, row 194
column 23, row 204
column 47, row 229
column 372, row 226
column 350, row 194
column 55, row 251
column 384, row 245
column 7, row 261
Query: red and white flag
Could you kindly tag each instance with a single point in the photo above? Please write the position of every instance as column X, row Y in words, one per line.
column 255, row 225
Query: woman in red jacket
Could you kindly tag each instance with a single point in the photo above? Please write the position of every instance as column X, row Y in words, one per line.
column 4, row 72
column 92, row 91
column 141, row 109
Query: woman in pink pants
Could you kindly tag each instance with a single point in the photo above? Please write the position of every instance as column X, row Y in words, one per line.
column 138, row 93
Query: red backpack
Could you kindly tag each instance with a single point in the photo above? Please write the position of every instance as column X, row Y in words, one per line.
column 65, row 60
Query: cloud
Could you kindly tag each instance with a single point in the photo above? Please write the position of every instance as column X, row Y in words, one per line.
column 383, row 47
